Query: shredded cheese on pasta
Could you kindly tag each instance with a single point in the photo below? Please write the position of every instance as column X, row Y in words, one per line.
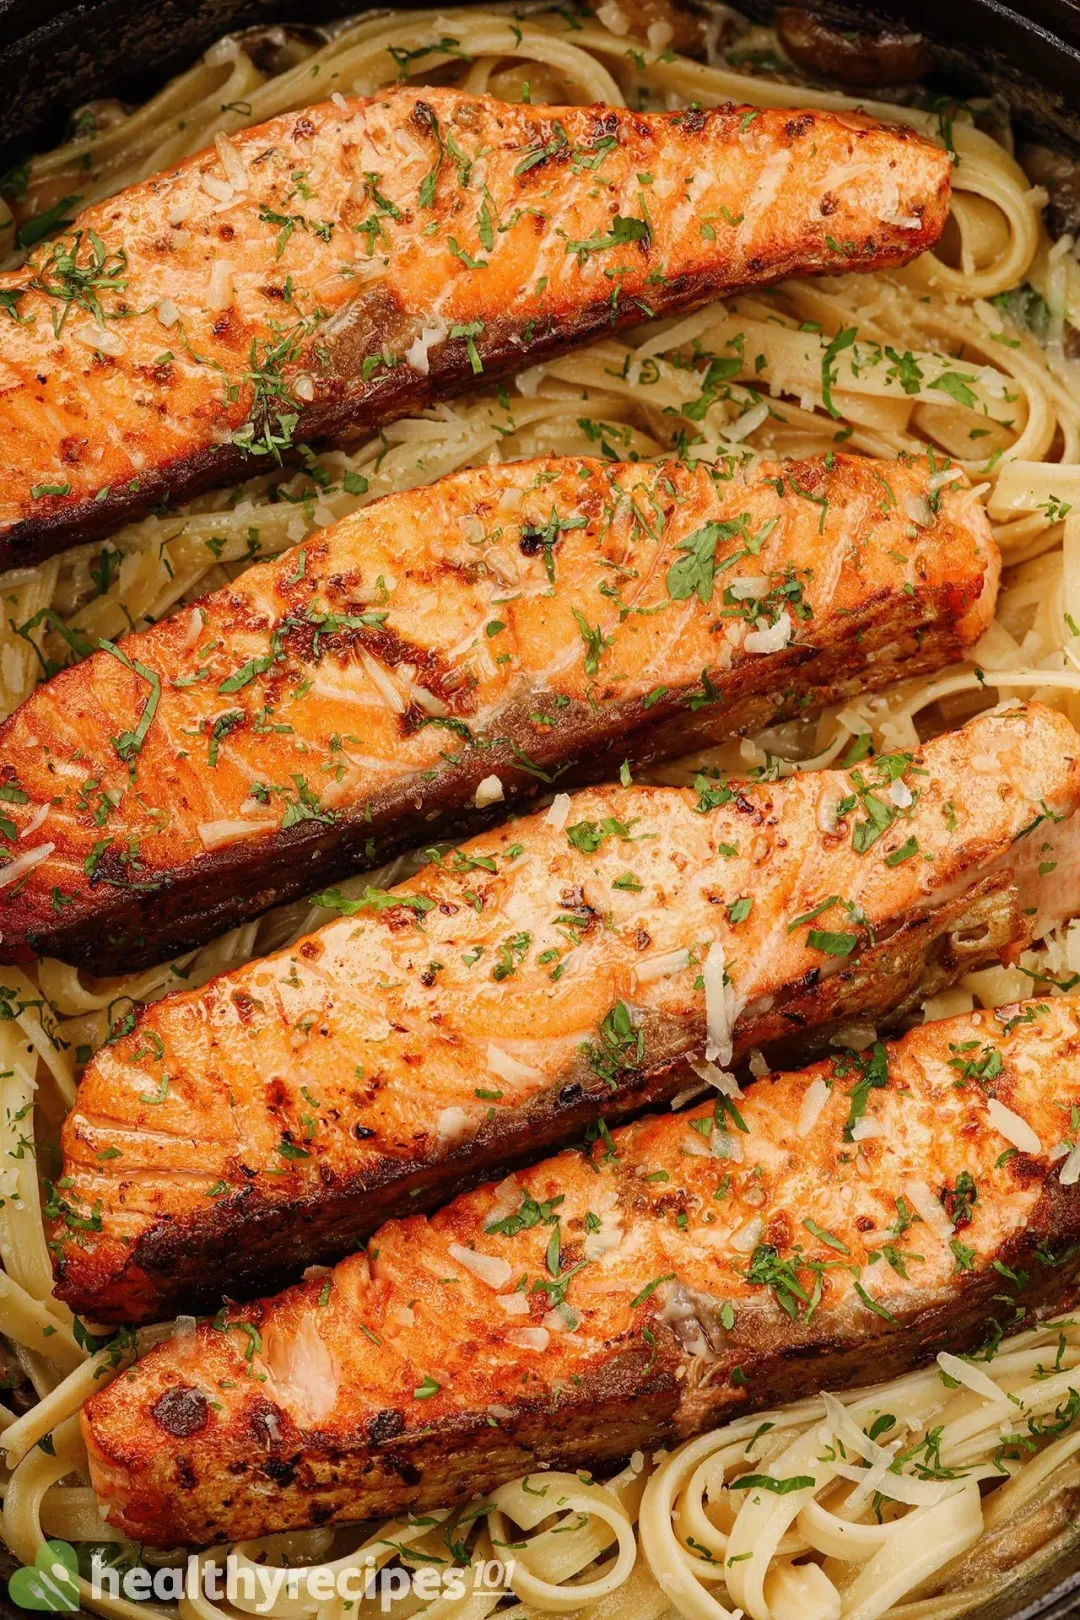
column 941, row 354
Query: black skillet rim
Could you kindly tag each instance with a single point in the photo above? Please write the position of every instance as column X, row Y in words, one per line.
column 56, row 54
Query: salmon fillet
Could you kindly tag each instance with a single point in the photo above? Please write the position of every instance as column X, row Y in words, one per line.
column 446, row 653
column 335, row 268
column 567, row 966
column 837, row 1225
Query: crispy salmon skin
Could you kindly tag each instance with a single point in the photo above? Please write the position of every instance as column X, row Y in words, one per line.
column 448, row 652
column 848, row 1221
column 338, row 267
column 578, row 963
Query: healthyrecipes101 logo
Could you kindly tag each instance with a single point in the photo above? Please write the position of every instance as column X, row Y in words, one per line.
column 51, row 1583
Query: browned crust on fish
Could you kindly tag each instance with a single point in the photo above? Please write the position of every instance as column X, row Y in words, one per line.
column 271, row 1241
column 344, row 1081
column 129, row 878
column 315, row 1421
column 180, row 407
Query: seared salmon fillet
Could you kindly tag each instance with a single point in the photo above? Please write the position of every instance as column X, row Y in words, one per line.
column 335, row 268
column 446, row 653
column 851, row 1220
column 574, row 964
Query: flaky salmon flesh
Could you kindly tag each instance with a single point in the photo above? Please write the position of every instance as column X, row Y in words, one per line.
column 338, row 267
column 842, row 1223
column 579, row 963
column 448, row 652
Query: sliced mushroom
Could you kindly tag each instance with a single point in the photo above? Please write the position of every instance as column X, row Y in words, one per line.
column 282, row 46
column 1059, row 172
column 869, row 60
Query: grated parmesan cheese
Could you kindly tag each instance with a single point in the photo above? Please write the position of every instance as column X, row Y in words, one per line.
column 451, row 1122
column 662, row 967
column 184, row 1337
column 772, row 639
column 1069, row 1173
column 35, row 821
column 611, row 14
column 720, row 1078
column 747, row 423
column 918, row 510
column 14, row 870
column 814, row 1100
column 560, row 809
column 490, row 1268
column 383, row 684
column 1012, row 1127
column 929, row 1208
column 720, row 1008
column 97, row 337
column 964, row 1373
column 530, row 1338
column 219, row 291
column 746, row 1237
column 231, row 162
column 220, row 190
column 489, row 791
column 509, row 1068
column 513, row 1304
column 416, row 354
column 217, row 834
column 749, row 588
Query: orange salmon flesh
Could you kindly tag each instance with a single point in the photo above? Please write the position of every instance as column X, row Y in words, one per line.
column 577, row 964
column 444, row 655
column 847, row 1221
column 338, row 267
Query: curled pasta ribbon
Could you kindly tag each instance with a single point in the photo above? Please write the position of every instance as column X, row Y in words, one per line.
column 548, row 1558
column 934, row 362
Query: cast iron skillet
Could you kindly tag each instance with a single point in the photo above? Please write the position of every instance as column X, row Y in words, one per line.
column 57, row 54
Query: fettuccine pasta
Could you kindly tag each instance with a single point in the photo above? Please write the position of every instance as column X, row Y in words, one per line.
column 906, row 1500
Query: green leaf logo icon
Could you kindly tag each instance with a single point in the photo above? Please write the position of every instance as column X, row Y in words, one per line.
column 51, row 1584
